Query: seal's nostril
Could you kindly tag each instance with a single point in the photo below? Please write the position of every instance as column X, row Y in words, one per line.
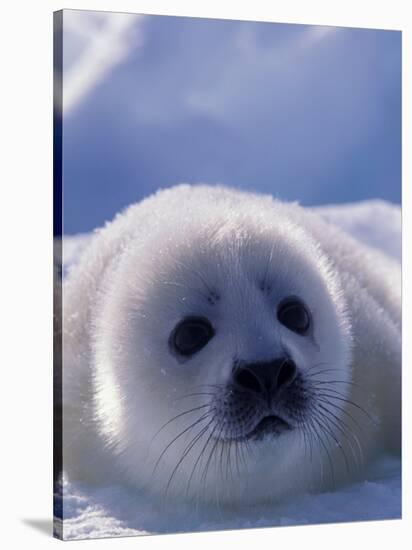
column 287, row 373
column 265, row 378
column 246, row 379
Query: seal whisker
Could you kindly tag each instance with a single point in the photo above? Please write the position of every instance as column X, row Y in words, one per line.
column 339, row 397
column 312, row 440
column 245, row 447
column 213, row 386
column 328, row 400
column 320, row 395
column 307, row 430
column 323, row 399
column 313, row 436
column 202, row 452
column 343, row 410
column 179, row 416
column 349, row 436
column 312, row 375
column 323, row 422
column 352, row 433
column 319, row 383
column 237, row 457
column 344, row 429
column 304, row 435
column 324, row 447
column 204, row 475
column 186, row 451
column 210, row 394
column 229, row 470
column 316, row 365
column 180, row 435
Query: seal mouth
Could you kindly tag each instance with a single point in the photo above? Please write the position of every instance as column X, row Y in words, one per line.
column 270, row 425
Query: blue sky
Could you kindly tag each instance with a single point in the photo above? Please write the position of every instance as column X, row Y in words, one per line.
column 305, row 113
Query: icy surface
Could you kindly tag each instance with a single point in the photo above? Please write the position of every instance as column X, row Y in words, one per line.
column 91, row 512
column 113, row 511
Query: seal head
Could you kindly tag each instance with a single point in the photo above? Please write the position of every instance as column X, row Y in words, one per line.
column 220, row 350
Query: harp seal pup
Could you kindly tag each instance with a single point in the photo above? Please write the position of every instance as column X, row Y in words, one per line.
column 226, row 347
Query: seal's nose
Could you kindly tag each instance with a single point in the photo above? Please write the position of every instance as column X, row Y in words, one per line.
column 265, row 378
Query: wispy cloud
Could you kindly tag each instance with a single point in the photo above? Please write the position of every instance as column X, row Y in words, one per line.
column 105, row 39
column 255, row 70
column 305, row 112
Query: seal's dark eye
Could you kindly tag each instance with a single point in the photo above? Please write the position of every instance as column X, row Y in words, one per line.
column 293, row 314
column 191, row 335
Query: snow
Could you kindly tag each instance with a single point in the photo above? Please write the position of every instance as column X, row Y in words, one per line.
column 376, row 223
column 95, row 512
column 113, row 511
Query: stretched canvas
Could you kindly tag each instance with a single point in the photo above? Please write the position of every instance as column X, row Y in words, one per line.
column 227, row 257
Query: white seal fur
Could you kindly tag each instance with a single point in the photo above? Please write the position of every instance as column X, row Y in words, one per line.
column 137, row 411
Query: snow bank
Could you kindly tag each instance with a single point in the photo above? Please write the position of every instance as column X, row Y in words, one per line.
column 376, row 223
column 91, row 512
column 113, row 511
